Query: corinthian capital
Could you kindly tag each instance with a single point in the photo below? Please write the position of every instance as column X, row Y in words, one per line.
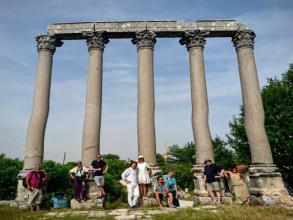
column 243, row 39
column 192, row 39
column 48, row 42
column 96, row 40
column 144, row 39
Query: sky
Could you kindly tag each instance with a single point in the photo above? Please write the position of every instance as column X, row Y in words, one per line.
column 21, row 21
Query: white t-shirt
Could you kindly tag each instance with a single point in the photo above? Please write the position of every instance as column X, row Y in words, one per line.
column 79, row 171
column 130, row 175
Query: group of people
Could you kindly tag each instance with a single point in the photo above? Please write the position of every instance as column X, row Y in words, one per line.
column 137, row 179
column 214, row 181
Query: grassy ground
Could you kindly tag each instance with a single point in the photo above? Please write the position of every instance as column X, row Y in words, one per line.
column 222, row 213
column 236, row 212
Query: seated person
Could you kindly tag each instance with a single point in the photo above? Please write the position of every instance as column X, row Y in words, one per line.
column 160, row 191
column 172, row 189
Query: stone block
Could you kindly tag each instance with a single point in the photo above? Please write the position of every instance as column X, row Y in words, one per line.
column 91, row 203
column 205, row 200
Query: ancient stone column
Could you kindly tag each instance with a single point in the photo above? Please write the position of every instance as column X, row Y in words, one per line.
column 264, row 180
column 91, row 131
column 194, row 41
column 145, row 42
column 251, row 95
column 34, row 150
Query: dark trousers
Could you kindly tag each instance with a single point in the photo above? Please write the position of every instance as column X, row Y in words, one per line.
column 79, row 189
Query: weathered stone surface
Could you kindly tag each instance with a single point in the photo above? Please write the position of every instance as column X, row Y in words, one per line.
column 162, row 28
column 90, row 203
column 147, row 202
column 145, row 97
column 205, row 200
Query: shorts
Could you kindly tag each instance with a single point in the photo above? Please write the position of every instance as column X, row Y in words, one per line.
column 213, row 186
column 100, row 181
column 35, row 196
column 162, row 197
column 221, row 183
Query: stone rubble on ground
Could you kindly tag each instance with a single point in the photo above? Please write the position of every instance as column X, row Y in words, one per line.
column 128, row 214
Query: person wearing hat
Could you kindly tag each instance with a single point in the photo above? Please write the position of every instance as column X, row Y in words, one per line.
column 143, row 176
column 212, row 175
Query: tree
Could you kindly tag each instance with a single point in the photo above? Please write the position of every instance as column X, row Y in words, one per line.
column 277, row 98
column 8, row 177
column 224, row 155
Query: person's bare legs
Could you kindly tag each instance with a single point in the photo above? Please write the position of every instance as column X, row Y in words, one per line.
column 157, row 197
column 37, row 207
column 32, row 208
column 140, row 189
column 144, row 188
column 212, row 195
column 218, row 193
column 170, row 200
column 102, row 191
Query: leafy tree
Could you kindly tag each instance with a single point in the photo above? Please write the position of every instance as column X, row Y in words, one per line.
column 224, row 155
column 183, row 154
column 277, row 99
column 8, row 177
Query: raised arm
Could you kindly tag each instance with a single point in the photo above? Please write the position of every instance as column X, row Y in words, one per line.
column 106, row 169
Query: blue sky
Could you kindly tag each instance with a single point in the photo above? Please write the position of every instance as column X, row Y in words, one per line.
column 21, row 21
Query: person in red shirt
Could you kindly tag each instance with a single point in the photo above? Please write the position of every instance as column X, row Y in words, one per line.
column 35, row 181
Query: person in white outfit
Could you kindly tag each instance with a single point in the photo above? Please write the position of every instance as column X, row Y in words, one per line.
column 143, row 176
column 130, row 178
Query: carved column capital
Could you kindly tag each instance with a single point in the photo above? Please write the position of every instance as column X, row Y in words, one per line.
column 193, row 39
column 96, row 40
column 144, row 39
column 48, row 42
column 243, row 39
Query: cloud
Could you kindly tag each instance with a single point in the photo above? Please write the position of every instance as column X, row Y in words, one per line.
column 18, row 60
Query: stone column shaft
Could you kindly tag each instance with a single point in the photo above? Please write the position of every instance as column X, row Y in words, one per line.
column 36, row 130
column 195, row 41
column 145, row 41
column 252, row 102
column 91, row 131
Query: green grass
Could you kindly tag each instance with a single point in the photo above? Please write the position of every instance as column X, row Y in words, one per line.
column 231, row 212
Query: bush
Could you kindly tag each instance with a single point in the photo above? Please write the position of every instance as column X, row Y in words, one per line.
column 8, row 177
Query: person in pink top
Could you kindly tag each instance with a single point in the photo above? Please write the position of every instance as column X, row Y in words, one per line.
column 35, row 181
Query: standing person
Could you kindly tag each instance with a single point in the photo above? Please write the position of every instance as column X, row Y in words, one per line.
column 143, row 176
column 160, row 191
column 172, row 189
column 35, row 181
column 212, row 175
column 129, row 176
column 238, row 185
column 78, row 176
column 99, row 167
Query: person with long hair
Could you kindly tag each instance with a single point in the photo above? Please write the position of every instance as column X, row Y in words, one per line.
column 143, row 176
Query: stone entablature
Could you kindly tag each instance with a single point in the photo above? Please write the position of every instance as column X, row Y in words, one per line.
column 128, row 29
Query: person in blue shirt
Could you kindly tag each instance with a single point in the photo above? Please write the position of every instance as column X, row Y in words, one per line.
column 172, row 188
